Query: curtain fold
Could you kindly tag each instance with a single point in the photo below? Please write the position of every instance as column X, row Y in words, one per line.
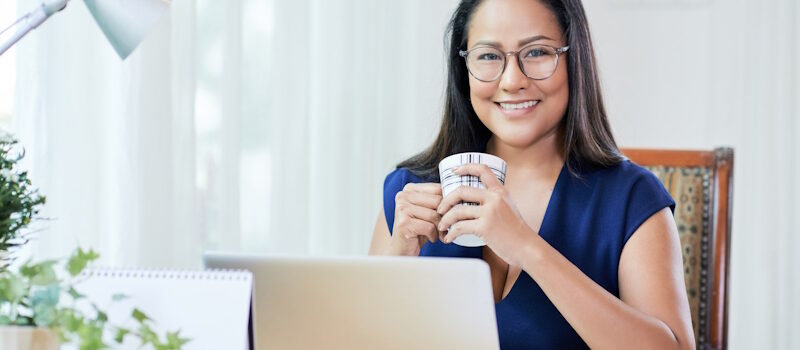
column 111, row 143
column 262, row 126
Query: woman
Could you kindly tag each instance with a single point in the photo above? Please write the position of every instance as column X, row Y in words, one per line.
column 581, row 243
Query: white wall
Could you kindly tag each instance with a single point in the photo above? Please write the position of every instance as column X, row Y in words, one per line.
column 700, row 74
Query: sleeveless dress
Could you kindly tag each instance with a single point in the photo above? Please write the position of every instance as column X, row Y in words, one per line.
column 589, row 219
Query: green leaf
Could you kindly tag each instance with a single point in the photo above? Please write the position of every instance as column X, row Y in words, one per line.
column 174, row 340
column 44, row 316
column 119, row 296
column 43, row 303
column 28, row 269
column 46, row 296
column 75, row 294
column 102, row 316
column 70, row 320
column 79, row 259
column 139, row 315
column 120, row 336
column 12, row 288
column 91, row 337
column 148, row 336
column 40, row 274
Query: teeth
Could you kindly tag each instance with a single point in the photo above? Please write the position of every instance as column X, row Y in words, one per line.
column 522, row 105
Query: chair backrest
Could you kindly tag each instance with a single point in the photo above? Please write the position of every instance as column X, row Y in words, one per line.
column 701, row 184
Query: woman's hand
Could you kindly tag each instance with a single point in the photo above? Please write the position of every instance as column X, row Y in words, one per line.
column 415, row 218
column 495, row 219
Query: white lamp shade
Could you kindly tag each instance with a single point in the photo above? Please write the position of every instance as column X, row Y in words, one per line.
column 125, row 23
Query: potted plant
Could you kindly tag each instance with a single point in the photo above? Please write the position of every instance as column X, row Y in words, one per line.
column 19, row 202
column 40, row 308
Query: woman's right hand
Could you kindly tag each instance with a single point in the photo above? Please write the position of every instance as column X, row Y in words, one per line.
column 416, row 220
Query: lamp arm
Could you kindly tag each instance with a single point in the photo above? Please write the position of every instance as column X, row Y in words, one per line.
column 30, row 21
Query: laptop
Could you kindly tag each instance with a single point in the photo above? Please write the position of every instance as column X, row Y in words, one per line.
column 367, row 302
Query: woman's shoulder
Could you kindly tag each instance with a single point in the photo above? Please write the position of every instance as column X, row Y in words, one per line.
column 624, row 174
column 623, row 186
column 398, row 178
column 629, row 190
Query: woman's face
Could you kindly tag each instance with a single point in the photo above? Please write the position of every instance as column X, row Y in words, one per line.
column 506, row 105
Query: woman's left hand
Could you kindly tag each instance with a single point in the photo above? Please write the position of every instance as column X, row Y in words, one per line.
column 495, row 218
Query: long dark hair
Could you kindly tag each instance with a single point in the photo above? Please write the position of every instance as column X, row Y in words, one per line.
column 587, row 134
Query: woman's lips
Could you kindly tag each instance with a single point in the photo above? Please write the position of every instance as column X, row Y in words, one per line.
column 517, row 108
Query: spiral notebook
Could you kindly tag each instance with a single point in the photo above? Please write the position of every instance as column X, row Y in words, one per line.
column 210, row 307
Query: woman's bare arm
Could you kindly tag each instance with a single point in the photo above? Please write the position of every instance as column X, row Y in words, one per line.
column 653, row 310
column 380, row 236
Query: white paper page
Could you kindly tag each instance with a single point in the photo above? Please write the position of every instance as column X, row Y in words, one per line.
column 211, row 308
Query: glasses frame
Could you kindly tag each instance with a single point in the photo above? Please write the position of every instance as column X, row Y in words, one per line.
column 558, row 51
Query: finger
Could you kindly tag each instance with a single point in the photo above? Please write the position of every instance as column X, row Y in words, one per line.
column 420, row 228
column 417, row 212
column 422, row 199
column 422, row 240
column 462, row 194
column 460, row 228
column 429, row 187
column 458, row 213
column 487, row 177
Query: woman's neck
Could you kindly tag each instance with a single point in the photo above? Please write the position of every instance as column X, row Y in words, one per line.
column 541, row 160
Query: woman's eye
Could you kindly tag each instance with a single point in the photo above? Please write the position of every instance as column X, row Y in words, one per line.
column 537, row 52
column 488, row 56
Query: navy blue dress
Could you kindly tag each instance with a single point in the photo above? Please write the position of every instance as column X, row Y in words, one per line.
column 588, row 219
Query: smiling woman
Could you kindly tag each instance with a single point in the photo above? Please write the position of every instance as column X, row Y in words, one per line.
column 575, row 226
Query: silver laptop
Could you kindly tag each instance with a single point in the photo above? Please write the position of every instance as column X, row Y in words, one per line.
column 367, row 302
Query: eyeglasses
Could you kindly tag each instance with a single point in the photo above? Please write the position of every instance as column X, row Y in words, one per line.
column 487, row 63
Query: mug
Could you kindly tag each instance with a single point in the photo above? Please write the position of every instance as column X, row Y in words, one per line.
column 450, row 181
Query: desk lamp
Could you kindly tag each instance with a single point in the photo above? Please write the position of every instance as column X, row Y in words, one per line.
column 124, row 22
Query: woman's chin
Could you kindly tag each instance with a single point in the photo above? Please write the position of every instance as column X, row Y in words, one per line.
column 516, row 140
column 520, row 138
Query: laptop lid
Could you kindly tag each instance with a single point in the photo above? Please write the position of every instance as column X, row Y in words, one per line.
column 368, row 302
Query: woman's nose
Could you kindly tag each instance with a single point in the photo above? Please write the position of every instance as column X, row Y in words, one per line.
column 513, row 79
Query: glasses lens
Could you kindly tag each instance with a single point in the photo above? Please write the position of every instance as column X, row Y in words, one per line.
column 539, row 62
column 485, row 63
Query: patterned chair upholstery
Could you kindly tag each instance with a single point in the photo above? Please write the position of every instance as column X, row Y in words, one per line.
column 701, row 184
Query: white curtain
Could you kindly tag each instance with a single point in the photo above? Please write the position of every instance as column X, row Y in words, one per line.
column 110, row 143
column 237, row 125
column 268, row 126
column 301, row 108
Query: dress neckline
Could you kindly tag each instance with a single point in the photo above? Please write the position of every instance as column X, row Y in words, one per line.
column 544, row 227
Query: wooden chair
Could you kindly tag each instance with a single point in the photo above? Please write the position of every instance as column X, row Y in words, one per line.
column 701, row 184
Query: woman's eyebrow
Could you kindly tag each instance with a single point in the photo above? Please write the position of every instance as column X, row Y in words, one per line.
column 522, row 42
column 532, row 39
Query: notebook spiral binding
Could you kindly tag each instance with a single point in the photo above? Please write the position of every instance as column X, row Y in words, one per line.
column 212, row 274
